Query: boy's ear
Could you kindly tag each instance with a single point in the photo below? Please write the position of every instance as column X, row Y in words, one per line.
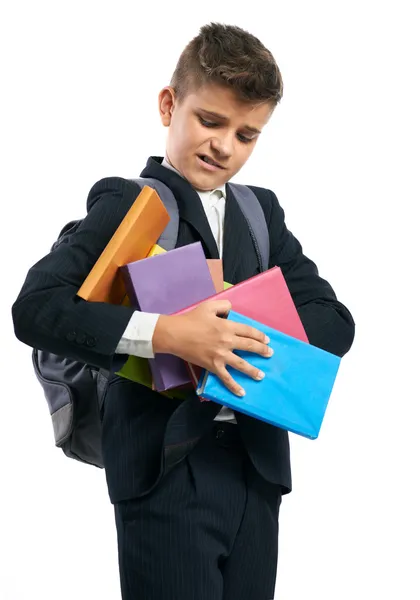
column 166, row 105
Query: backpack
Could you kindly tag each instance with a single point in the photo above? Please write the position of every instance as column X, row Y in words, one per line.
column 75, row 391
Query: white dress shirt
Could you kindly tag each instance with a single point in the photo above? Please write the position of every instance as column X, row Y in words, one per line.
column 137, row 338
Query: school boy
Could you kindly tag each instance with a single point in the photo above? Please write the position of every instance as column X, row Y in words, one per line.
column 196, row 488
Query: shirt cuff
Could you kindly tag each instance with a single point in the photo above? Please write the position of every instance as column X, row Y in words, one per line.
column 137, row 337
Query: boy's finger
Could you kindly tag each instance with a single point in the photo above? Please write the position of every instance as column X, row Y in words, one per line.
column 238, row 363
column 220, row 307
column 251, row 345
column 246, row 331
column 229, row 382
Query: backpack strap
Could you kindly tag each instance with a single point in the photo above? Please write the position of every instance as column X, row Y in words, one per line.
column 169, row 237
column 254, row 215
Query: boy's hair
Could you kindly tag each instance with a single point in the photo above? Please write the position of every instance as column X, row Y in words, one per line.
column 229, row 56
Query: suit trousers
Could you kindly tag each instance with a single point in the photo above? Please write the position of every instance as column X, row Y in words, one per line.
column 208, row 531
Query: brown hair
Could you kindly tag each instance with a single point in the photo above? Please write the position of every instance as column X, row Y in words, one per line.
column 230, row 56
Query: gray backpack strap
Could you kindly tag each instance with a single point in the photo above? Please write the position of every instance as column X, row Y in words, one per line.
column 169, row 237
column 254, row 215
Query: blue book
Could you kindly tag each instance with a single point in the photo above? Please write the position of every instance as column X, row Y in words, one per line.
column 294, row 394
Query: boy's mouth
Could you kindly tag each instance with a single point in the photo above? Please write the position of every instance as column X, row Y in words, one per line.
column 209, row 163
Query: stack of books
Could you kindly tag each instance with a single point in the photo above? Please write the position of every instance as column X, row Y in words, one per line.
column 134, row 270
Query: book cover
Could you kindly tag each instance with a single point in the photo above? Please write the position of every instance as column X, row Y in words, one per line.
column 155, row 249
column 137, row 233
column 164, row 284
column 216, row 271
column 265, row 298
column 295, row 392
column 215, row 267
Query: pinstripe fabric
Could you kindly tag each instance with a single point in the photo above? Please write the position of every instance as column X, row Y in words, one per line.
column 207, row 532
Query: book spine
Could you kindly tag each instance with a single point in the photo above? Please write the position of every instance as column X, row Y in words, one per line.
column 200, row 391
column 194, row 379
column 129, row 287
column 191, row 371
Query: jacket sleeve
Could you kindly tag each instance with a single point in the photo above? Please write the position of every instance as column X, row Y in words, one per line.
column 48, row 314
column 327, row 322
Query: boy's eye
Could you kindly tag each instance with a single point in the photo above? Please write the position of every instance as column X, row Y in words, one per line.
column 207, row 123
column 244, row 139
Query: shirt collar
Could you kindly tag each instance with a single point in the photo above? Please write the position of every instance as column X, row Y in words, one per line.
column 221, row 188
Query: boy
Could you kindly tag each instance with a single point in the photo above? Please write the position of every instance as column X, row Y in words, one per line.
column 196, row 488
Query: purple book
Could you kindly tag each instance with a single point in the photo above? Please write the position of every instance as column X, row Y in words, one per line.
column 164, row 284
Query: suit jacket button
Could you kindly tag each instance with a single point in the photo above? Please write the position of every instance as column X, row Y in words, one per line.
column 90, row 342
column 219, row 434
column 81, row 338
column 71, row 336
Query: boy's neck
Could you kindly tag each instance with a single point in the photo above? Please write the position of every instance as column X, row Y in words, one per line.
column 167, row 164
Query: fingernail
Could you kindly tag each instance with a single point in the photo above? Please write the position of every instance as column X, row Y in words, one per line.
column 260, row 375
column 241, row 392
column 266, row 339
column 270, row 352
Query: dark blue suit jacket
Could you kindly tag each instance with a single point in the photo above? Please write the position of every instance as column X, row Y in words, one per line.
column 144, row 433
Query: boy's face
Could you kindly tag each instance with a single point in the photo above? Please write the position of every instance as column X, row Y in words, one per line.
column 211, row 133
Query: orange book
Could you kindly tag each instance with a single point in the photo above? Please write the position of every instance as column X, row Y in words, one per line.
column 141, row 227
column 216, row 271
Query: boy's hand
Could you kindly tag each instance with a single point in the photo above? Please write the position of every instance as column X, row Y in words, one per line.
column 202, row 338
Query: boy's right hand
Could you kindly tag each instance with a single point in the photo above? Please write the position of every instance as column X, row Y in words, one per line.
column 202, row 338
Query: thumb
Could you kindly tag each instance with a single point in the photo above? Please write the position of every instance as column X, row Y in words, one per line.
column 221, row 308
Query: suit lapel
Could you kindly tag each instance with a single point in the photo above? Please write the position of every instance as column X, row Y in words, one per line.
column 189, row 204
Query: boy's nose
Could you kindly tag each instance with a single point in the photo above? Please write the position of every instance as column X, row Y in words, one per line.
column 222, row 145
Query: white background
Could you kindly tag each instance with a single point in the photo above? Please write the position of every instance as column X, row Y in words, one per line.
column 79, row 92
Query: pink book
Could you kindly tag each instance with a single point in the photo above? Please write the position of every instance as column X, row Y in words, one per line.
column 264, row 298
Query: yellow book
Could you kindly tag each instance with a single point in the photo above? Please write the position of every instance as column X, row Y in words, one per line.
column 155, row 250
